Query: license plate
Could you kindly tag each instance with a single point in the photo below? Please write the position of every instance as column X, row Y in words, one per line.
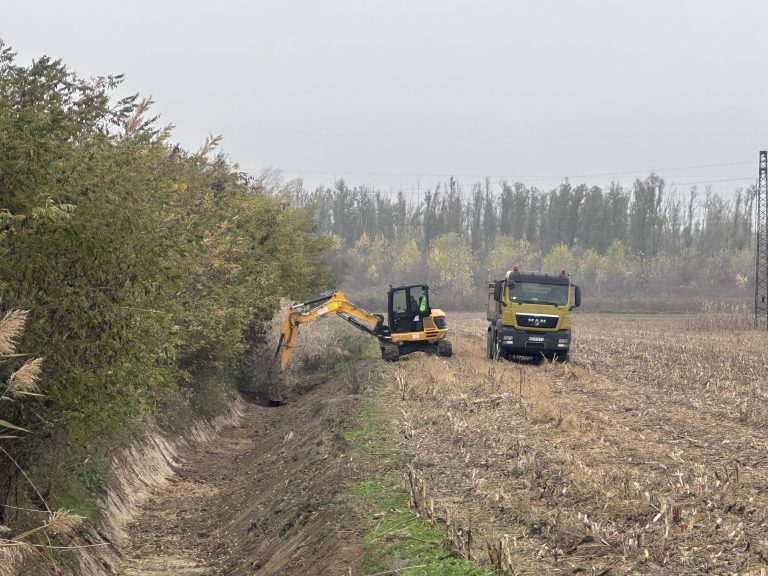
column 535, row 339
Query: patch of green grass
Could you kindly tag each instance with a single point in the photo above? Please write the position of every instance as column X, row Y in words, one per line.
column 368, row 436
column 399, row 540
column 76, row 488
column 361, row 346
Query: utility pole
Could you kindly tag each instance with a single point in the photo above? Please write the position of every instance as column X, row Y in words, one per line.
column 761, row 245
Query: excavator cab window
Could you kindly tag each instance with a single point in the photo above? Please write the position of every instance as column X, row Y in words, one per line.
column 408, row 307
column 400, row 301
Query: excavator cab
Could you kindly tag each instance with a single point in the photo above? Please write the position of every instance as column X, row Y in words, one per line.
column 408, row 305
column 414, row 326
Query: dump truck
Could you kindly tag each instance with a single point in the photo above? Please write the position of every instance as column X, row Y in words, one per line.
column 529, row 314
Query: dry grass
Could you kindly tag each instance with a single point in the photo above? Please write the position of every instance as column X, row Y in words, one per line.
column 11, row 555
column 648, row 452
column 11, row 327
column 24, row 380
column 16, row 540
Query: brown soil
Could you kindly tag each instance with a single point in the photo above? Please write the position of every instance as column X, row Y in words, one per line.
column 266, row 497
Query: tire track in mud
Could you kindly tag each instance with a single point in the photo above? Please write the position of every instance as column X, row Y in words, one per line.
column 587, row 468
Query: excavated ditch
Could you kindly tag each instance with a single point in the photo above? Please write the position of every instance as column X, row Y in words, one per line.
column 258, row 491
column 266, row 496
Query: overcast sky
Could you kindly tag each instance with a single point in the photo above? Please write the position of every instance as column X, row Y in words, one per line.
column 400, row 94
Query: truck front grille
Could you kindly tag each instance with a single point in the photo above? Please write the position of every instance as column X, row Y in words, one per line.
column 536, row 320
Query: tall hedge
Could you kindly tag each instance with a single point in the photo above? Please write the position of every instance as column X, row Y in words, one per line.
column 145, row 267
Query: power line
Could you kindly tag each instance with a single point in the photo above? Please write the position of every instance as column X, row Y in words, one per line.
column 419, row 191
column 671, row 181
column 497, row 177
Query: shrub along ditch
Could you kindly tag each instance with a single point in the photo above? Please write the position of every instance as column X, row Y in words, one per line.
column 149, row 272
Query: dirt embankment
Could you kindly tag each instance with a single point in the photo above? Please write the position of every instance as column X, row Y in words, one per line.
column 265, row 497
column 259, row 490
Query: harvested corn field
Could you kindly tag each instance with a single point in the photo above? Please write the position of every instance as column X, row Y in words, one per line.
column 647, row 453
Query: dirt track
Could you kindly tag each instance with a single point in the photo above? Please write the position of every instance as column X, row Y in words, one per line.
column 648, row 453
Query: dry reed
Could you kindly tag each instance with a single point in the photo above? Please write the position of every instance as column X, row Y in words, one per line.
column 11, row 327
column 24, row 380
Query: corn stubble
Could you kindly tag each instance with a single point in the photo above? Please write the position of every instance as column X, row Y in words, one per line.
column 647, row 453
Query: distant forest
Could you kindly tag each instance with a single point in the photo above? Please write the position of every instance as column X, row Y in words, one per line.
column 647, row 240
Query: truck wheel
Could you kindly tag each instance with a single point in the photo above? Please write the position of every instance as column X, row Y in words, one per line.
column 561, row 357
column 489, row 345
column 390, row 353
column 498, row 354
column 444, row 348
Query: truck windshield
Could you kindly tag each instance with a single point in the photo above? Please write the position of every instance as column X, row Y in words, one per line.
column 538, row 293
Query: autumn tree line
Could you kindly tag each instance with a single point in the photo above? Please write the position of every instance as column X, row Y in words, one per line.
column 138, row 275
column 669, row 249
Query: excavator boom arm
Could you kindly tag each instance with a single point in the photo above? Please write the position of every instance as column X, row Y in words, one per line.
column 336, row 303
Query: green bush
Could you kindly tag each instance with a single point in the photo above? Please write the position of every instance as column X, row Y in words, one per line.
column 149, row 271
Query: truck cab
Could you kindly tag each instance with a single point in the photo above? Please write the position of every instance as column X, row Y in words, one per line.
column 529, row 314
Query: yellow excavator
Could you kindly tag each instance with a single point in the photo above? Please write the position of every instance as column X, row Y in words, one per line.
column 414, row 326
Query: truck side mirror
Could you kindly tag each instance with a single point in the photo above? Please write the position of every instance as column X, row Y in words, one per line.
column 576, row 297
column 497, row 288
